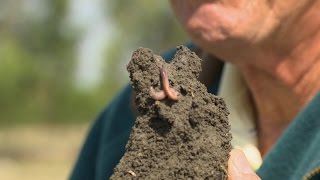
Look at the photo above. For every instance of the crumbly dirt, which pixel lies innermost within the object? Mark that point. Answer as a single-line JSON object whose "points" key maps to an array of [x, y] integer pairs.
{"points": [[184, 139]]}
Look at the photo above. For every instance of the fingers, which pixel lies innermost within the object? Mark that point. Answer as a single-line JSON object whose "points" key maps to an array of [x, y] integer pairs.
{"points": [[239, 167]]}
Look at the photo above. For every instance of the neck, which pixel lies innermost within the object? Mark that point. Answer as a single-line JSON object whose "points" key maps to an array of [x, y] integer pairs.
{"points": [[280, 62], [282, 86], [277, 102]]}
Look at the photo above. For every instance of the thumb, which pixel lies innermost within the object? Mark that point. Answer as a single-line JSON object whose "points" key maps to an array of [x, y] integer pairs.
{"points": [[239, 167]]}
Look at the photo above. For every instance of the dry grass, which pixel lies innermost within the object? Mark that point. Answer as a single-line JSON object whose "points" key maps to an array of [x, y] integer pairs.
{"points": [[39, 152]]}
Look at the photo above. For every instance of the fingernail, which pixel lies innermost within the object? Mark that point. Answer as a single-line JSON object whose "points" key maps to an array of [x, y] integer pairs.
{"points": [[241, 164]]}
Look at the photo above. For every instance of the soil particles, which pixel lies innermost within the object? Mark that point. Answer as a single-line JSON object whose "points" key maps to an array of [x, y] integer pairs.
{"points": [[188, 138]]}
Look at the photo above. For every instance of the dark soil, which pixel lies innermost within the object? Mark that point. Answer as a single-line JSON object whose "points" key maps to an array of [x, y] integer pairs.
{"points": [[184, 139]]}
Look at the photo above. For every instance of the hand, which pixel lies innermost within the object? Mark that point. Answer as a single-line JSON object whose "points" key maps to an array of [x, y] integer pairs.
{"points": [[239, 168]]}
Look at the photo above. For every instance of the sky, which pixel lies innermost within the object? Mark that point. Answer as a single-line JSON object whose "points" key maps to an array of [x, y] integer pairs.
{"points": [[91, 17]]}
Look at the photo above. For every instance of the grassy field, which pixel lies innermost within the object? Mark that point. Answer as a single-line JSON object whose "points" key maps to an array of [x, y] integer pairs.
{"points": [[39, 152]]}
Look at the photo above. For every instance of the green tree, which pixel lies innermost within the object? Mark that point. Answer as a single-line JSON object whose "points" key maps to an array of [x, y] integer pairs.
{"points": [[37, 59], [36, 63]]}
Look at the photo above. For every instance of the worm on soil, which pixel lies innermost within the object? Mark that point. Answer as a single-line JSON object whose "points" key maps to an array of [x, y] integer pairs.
{"points": [[157, 95], [169, 92]]}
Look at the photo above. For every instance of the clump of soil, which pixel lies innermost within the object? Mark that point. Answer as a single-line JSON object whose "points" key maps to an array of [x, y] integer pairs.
{"points": [[184, 139]]}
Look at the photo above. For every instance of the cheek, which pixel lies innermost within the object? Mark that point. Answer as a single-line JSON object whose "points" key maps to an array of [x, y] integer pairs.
{"points": [[216, 22], [209, 22], [206, 21]]}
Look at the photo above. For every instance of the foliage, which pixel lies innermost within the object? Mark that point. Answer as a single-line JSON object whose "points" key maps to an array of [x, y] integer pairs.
{"points": [[37, 59]]}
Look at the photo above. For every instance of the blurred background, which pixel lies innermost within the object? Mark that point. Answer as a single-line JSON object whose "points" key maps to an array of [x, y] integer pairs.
{"points": [[61, 62]]}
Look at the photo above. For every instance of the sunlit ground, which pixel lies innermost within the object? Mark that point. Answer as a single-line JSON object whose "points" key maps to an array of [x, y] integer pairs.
{"points": [[39, 152]]}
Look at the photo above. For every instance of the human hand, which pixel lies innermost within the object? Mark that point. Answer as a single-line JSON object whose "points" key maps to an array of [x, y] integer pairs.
{"points": [[239, 168]]}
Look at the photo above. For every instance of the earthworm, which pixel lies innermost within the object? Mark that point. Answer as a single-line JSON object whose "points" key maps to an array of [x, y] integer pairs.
{"points": [[157, 95], [168, 91]]}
